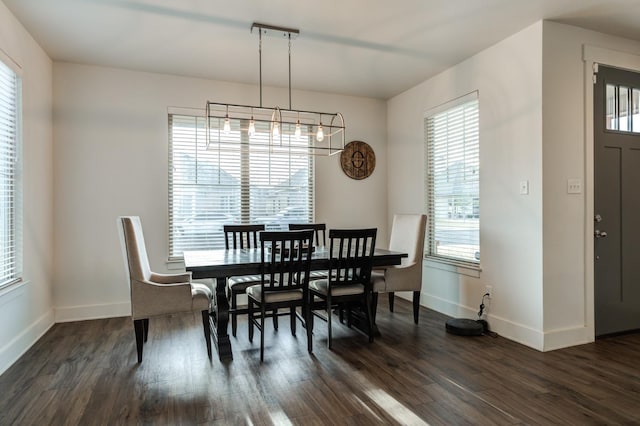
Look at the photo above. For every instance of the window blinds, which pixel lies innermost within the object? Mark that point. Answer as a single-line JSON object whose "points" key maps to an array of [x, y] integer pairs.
{"points": [[232, 183], [453, 181], [10, 197]]}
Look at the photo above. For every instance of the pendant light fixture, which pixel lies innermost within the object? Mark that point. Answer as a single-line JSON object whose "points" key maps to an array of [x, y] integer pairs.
{"points": [[301, 132]]}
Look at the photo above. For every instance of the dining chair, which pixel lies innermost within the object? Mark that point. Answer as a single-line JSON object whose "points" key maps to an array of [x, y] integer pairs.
{"points": [[319, 231], [284, 280], [349, 278], [240, 237], [154, 294], [407, 235], [319, 240]]}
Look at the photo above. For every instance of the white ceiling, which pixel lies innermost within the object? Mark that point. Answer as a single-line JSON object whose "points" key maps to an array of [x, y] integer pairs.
{"points": [[355, 47]]}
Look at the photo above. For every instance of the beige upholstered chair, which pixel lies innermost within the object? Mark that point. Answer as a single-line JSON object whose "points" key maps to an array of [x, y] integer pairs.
{"points": [[155, 294], [407, 235]]}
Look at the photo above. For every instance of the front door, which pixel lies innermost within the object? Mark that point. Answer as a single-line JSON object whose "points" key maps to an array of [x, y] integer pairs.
{"points": [[616, 201]]}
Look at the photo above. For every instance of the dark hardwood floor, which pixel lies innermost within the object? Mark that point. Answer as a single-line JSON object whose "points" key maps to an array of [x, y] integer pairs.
{"points": [[86, 373]]}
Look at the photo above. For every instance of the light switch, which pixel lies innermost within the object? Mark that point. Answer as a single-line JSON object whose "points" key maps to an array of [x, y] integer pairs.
{"points": [[524, 187], [574, 186]]}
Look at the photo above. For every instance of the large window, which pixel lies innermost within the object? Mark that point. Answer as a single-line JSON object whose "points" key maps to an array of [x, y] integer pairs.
{"points": [[452, 181], [10, 187], [238, 182]]}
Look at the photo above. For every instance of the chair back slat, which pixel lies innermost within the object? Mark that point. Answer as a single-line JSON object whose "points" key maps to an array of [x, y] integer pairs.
{"points": [[319, 231], [351, 256], [285, 260], [241, 236]]}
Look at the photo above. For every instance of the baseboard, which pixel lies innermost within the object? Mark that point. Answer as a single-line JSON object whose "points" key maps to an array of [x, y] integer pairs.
{"points": [[89, 312], [13, 350], [505, 328], [563, 338]]}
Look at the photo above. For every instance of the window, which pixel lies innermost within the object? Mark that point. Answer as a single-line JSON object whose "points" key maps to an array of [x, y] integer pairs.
{"points": [[209, 188], [452, 181], [623, 108], [10, 185]]}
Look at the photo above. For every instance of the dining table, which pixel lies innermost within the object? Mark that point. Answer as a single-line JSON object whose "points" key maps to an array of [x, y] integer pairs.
{"points": [[220, 264]]}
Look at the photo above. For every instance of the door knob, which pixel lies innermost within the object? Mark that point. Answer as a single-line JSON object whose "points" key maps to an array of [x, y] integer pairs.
{"points": [[597, 218], [599, 234]]}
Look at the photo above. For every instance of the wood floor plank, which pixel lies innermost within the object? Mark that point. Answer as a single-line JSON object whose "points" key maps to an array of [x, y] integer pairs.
{"points": [[86, 373]]}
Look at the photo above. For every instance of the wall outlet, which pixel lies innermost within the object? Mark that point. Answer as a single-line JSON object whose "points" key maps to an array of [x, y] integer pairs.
{"points": [[489, 290], [524, 187]]}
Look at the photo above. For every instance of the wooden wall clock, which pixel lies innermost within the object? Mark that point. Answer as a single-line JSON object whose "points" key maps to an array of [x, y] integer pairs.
{"points": [[358, 160]]}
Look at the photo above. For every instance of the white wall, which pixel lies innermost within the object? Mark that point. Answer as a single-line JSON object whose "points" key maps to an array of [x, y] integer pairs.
{"points": [[111, 156], [25, 310], [508, 77], [534, 125], [568, 291]]}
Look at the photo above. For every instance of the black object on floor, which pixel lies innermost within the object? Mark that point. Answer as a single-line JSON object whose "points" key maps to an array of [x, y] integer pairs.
{"points": [[466, 327]]}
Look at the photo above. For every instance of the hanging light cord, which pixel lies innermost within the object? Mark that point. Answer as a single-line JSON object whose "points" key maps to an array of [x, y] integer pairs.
{"points": [[260, 60], [289, 71]]}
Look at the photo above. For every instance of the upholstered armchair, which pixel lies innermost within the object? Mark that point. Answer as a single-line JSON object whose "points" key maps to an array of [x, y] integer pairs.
{"points": [[154, 294], [407, 235]]}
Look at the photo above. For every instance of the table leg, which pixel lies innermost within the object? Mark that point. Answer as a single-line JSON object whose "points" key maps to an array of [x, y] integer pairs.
{"points": [[220, 320]]}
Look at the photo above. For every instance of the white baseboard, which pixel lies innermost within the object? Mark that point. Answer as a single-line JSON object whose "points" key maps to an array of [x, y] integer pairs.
{"points": [[563, 338], [89, 312], [13, 350]]}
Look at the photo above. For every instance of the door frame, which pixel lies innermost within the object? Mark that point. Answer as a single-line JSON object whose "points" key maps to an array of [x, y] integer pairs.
{"points": [[592, 55]]}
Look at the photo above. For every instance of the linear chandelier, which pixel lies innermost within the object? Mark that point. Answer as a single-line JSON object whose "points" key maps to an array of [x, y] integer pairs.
{"points": [[233, 127]]}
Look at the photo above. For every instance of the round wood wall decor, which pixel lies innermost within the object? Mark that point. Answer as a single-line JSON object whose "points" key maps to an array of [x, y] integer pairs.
{"points": [[358, 160]]}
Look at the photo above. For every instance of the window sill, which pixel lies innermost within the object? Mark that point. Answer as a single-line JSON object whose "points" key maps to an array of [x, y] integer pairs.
{"points": [[9, 291], [453, 266], [175, 265]]}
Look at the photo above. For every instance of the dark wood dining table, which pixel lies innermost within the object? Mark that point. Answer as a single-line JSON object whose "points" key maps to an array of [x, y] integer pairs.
{"points": [[220, 264]]}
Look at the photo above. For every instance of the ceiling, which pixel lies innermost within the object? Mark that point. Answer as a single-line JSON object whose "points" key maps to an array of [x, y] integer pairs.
{"points": [[354, 47]]}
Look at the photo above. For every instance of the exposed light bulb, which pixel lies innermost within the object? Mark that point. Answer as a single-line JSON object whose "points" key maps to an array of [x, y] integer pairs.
{"points": [[227, 125], [252, 127], [320, 134], [276, 129], [298, 132]]}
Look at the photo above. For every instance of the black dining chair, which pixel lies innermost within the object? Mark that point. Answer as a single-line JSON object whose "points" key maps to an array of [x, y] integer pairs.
{"points": [[284, 280], [319, 239], [348, 283], [319, 231], [240, 237]]}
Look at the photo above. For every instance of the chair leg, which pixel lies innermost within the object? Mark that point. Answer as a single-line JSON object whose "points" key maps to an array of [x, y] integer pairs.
{"points": [[292, 316], [250, 320], [416, 305], [146, 329], [374, 306], [275, 319], [263, 314], [391, 297], [138, 326], [369, 315], [207, 330], [329, 322], [234, 316], [308, 321]]}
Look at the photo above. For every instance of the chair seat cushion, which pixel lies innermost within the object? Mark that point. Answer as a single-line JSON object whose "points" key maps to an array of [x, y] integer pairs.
{"points": [[240, 283], [255, 291], [200, 297], [378, 281], [320, 286]]}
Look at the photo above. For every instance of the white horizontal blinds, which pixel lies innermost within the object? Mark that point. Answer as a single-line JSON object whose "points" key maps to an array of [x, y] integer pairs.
{"points": [[10, 216], [232, 183], [453, 181], [280, 182]]}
